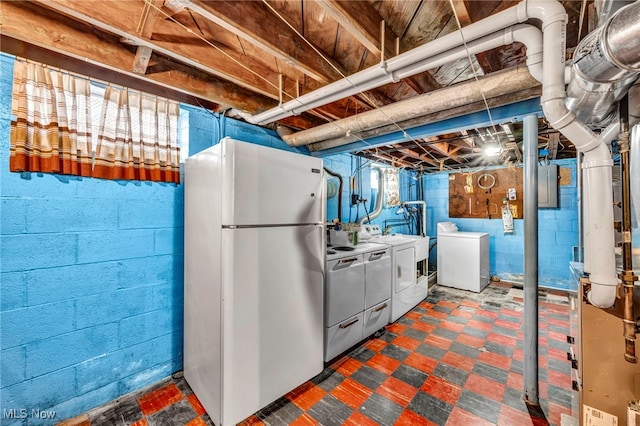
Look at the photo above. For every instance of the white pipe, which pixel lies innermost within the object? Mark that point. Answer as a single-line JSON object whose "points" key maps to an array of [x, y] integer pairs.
{"points": [[394, 69], [425, 104], [424, 214], [598, 196]]}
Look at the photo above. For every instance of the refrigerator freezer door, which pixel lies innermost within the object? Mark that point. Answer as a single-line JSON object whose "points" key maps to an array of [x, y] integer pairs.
{"points": [[272, 314], [265, 186]]}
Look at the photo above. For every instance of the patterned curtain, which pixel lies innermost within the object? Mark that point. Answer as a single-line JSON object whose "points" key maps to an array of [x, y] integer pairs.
{"points": [[52, 131], [138, 137]]}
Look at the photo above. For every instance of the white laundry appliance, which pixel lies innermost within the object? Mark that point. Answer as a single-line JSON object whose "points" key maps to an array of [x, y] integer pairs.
{"points": [[357, 294], [254, 275], [407, 289], [463, 258]]}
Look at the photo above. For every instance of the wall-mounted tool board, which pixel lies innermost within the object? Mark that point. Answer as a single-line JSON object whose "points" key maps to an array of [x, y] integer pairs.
{"points": [[479, 194]]}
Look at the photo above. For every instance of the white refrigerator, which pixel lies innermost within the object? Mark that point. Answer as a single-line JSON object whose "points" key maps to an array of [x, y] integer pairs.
{"points": [[254, 271]]}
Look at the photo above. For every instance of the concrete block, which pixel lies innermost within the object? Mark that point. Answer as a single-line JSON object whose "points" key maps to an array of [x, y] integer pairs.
{"points": [[146, 377], [40, 392], [33, 251], [86, 401], [69, 282], [168, 295], [35, 323], [12, 217], [13, 366], [145, 213], [566, 238], [168, 347], [13, 291], [169, 241], [150, 270], [62, 351], [147, 326], [111, 307], [70, 215], [112, 367], [104, 246]]}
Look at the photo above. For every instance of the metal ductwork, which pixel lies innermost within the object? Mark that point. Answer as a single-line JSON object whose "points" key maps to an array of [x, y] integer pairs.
{"points": [[605, 65]]}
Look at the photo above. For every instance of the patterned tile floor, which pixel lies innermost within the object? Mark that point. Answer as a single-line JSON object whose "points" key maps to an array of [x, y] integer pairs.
{"points": [[455, 359]]}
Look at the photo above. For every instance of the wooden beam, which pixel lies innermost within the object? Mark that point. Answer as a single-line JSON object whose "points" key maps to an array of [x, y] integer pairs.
{"points": [[488, 60], [445, 149], [149, 18], [28, 23], [141, 61], [395, 162], [231, 66], [247, 20], [411, 153], [360, 20]]}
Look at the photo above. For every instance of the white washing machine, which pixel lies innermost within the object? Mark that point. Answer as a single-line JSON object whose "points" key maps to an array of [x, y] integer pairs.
{"points": [[357, 294], [463, 258], [407, 290]]}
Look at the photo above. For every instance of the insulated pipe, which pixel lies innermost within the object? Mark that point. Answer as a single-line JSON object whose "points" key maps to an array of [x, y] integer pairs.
{"points": [[598, 198], [424, 104], [530, 348]]}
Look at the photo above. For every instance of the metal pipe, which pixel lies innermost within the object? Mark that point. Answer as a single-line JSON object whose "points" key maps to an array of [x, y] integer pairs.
{"points": [[337, 176], [424, 214], [530, 348], [605, 66], [626, 275]]}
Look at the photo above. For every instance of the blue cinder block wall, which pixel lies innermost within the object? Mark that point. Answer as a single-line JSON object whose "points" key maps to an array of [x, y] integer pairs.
{"points": [[91, 277], [557, 232]]}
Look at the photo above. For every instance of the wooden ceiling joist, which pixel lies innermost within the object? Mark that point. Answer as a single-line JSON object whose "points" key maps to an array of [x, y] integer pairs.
{"points": [[361, 21]]}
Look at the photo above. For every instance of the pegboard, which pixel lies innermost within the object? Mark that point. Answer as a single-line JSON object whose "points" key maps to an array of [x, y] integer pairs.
{"points": [[479, 194]]}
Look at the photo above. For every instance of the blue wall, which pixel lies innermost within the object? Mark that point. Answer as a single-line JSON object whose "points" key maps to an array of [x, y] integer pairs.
{"points": [[91, 277], [557, 232]]}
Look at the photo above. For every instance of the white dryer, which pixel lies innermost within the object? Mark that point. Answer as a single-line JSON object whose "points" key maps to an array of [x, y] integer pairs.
{"points": [[406, 250], [463, 258]]}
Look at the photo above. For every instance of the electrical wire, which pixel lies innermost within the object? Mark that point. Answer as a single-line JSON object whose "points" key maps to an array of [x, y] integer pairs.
{"points": [[475, 73]]}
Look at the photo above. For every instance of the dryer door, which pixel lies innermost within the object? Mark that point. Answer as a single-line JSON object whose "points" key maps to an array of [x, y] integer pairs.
{"points": [[405, 268]]}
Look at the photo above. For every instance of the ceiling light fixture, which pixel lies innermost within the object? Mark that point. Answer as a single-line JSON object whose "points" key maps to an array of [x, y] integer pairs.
{"points": [[492, 150]]}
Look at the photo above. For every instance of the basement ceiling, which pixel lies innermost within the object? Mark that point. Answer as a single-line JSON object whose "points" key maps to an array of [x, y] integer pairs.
{"points": [[248, 56]]}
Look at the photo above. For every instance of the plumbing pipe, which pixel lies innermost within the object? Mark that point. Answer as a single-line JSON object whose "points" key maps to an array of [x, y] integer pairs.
{"points": [[626, 275], [449, 97], [376, 212], [393, 69], [424, 214], [530, 348], [598, 199], [337, 176]]}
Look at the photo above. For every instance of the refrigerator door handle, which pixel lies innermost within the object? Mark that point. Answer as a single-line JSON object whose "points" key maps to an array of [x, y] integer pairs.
{"points": [[399, 271], [349, 324]]}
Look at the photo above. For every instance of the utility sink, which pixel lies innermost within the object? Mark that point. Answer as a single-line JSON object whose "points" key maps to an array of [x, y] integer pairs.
{"points": [[343, 248]]}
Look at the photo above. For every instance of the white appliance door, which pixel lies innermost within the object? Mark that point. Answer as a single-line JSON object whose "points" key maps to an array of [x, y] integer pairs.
{"points": [[272, 290], [268, 186], [405, 266]]}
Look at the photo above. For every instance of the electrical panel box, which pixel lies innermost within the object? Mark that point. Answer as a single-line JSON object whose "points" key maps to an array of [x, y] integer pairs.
{"points": [[548, 186]]}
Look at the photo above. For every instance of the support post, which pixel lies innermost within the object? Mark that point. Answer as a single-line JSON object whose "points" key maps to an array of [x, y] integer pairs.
{"points": [[531, 260]]}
